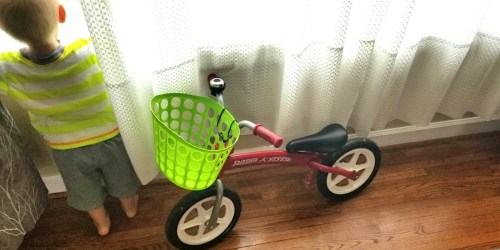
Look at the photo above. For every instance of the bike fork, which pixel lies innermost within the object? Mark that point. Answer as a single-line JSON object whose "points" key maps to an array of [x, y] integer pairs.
{"points": [[218, 201], [308, 179]]}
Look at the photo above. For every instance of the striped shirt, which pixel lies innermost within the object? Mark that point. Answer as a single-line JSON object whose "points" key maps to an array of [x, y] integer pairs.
{"points": [[66, 100]]}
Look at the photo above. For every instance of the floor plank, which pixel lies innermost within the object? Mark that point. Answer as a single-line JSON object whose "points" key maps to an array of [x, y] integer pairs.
{"points": [[442, 194]]}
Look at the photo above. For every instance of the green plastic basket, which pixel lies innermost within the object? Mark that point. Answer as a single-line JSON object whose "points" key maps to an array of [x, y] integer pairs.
{"points": [[193, 137]]}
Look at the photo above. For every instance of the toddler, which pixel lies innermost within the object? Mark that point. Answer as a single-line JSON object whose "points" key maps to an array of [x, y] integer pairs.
{"points": [[62, 89]]}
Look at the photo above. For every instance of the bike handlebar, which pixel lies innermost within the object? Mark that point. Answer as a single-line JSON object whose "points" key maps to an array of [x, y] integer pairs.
{"points": [[268, 135], [217, 86]]}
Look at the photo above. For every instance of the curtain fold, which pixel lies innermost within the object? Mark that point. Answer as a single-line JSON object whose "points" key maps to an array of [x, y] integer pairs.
{"points": [[130, 101], [475, 75], [297, 66]]}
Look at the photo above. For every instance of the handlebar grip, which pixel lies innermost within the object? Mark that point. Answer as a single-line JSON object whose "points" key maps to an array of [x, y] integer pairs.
{"points": [[268, 135]]}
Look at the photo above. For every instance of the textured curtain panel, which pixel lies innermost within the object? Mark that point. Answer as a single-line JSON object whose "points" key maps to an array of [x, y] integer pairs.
{"points": [[129, 98], [296, 66]]}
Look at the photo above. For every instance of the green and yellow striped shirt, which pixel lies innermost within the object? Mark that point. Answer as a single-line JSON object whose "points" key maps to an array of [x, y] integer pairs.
{"points": [[66, 99]]}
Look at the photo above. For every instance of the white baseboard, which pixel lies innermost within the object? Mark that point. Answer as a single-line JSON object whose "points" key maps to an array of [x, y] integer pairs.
{"points": [[54, 183], [386, 137], [435, 130]]}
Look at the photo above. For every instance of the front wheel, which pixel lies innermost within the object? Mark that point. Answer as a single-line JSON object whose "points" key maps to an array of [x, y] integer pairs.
{"points": [[187, 224], [361, 155]]}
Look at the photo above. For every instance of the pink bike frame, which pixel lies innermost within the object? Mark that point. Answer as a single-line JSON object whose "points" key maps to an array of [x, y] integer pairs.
{"points": [[267, 157]]}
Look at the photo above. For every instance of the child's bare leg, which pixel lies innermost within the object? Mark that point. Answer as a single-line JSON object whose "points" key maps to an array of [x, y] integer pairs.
{"points": [[101, 220], [129, 205]]}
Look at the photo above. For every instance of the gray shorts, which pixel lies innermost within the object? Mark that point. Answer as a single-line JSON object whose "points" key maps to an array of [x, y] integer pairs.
{"points": [[91, 172]]}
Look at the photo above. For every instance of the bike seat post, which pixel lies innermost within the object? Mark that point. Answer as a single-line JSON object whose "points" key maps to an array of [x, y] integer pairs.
{"points": [[308, 179]]}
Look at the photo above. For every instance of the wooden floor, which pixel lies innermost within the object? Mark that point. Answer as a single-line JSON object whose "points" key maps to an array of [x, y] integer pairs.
{"points": [[441, 194]]}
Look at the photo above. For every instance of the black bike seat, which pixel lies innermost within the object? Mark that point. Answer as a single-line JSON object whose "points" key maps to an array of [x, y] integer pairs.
{"points": [[329, 139]]}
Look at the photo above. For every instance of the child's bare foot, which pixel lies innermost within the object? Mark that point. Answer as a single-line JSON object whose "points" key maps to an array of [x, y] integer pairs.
{"points": [[103, 227], [101, 220], [129, 205]]}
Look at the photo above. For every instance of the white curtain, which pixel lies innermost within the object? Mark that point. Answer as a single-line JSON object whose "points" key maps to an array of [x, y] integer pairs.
{"points": [[296, 66]]}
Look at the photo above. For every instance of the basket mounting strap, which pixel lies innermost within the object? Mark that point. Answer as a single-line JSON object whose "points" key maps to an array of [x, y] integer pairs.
{"points": [[228, 136]]}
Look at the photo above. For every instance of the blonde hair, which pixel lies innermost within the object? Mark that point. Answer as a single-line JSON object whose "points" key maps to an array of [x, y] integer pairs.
{"points": [[30, 21]]}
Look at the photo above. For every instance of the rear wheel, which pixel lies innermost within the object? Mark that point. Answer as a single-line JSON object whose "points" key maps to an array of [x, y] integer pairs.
{"points": [[187, 224], [361, 155]]}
